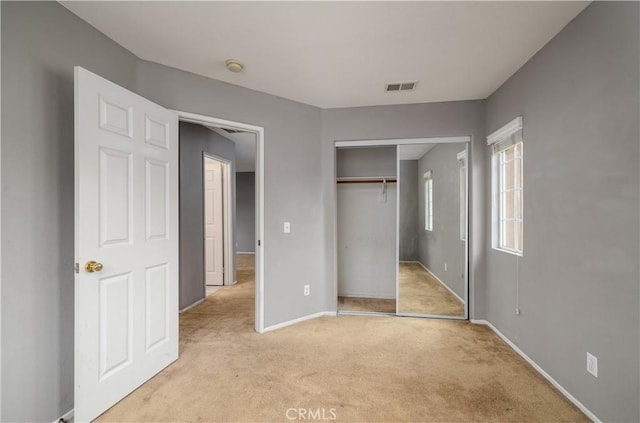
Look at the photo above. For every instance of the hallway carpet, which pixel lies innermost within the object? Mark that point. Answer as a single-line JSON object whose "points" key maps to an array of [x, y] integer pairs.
{"points": [[356, 368]]}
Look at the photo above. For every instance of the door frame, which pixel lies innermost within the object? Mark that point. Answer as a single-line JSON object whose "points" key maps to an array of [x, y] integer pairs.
{"points": [[227, 227], [467, 139], [259, 247]]}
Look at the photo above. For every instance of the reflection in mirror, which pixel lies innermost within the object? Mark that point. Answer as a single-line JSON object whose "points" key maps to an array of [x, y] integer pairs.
{"points": [[432, 231]]}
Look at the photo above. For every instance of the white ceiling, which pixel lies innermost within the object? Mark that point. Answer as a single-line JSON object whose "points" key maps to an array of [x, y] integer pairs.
{"points": [[339, 54], [245, 148]]}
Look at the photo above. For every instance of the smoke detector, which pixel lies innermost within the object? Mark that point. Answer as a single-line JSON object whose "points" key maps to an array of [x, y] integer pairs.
{"points": [[400, 86], [234, 65]]}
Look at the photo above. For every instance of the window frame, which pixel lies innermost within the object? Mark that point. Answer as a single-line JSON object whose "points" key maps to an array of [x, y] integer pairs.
{"points": [[501, 141], [428, 200]]}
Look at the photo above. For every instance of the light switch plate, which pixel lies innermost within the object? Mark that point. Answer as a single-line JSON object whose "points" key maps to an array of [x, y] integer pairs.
{"points": [[287, 227], [592, 364]]}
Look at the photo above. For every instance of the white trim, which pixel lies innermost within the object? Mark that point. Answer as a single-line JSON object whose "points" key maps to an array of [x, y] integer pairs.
{"points": [[462, 156], [260, 251], [298, 320], [432, 316], [507, 130], [67, 417], [246, 252], [365, 296], [443, 284], [405, 141], [364, 313], [192, 305], [398, 187], [540, 370]]}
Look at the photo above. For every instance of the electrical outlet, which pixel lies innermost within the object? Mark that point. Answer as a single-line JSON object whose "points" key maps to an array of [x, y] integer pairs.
{"points": [[287, 227], [307, 290], [517, 312], [592, 364], [445, 267]]}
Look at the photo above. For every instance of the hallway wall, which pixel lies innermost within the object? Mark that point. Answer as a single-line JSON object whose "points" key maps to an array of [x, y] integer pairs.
{"points": [[246, 211], [194, 141]]}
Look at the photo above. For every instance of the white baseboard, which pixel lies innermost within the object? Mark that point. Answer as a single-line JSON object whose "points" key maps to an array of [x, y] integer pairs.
{"points": [[540, 370], [245, 252], [298, 320], [442, 283], [192, 305], [374, 297], [67, 417]]}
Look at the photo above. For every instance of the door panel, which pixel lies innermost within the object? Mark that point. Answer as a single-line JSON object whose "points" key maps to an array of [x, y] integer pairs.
{"points": [[126, 206], [214, 250]]}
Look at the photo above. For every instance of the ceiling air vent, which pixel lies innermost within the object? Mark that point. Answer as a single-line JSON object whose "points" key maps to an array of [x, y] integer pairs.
{"points": [[400, 86]]}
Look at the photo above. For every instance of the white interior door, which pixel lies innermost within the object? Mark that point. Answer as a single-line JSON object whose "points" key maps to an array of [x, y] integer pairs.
{"points": [[213, 232], [126, 220]]}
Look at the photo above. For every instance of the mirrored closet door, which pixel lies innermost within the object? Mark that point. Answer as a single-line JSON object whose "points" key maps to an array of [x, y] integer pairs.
{"points": [[432, 230], [402, 222]]}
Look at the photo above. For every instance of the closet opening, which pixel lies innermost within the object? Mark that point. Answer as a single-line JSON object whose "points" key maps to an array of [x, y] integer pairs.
{"points": [[402, 227]]}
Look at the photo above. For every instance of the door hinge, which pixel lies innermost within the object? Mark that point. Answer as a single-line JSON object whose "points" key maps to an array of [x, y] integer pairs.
{"points": [[258, 243], [76, 267]]}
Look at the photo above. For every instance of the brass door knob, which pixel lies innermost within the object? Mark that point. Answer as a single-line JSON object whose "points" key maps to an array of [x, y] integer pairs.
{"points": [[93, 266]]}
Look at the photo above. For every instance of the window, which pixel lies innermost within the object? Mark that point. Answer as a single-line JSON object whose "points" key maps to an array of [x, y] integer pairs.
{"points": [[507, 154], [462, 161], [428, 201]]}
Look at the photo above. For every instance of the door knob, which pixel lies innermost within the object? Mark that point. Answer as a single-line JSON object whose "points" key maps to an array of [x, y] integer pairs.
{"points": [[93, 266]]}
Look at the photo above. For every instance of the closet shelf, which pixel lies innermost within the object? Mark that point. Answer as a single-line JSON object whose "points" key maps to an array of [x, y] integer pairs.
{"points": [[365, 179]]}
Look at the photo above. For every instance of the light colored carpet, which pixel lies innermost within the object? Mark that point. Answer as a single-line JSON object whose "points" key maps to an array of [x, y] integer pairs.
{"points": [[421, 293], [211, 289], [377, 305], [367, 368]]}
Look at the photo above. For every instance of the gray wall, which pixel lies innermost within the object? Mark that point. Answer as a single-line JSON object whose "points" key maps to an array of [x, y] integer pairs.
{"points": [[411, 121], [578, 97], [41, 42], [366, 224], [195, 140], [246, 211], [443, 244], [579, 272], [408, 221], [293, 190], [379, 161]]}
